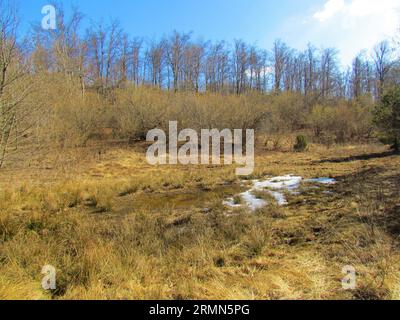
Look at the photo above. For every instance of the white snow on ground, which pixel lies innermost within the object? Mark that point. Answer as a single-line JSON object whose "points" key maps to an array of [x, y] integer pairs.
{"points": [[279, 197], [322, 180], [249, 199], [252, 201], [287, 183], [230, 202], [284, 182]]}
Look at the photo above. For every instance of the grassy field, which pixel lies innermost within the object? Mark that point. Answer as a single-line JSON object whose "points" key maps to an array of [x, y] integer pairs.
{"points": [[116, 228]]}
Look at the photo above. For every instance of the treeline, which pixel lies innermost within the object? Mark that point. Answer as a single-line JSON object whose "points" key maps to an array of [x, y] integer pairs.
{"points": [[104, 57], [67, 87]]}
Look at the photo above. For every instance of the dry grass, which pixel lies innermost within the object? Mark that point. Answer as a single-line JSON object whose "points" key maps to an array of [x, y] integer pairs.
{"points": [[103, 226]]}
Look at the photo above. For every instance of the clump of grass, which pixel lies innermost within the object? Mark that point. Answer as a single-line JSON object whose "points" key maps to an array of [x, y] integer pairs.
{"points": [[237, 199], [301, 143]]}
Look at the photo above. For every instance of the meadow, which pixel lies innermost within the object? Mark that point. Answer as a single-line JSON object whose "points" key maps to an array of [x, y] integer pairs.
{"points": [[115, 227]]}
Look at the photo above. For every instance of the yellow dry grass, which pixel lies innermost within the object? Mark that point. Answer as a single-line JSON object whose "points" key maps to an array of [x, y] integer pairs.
{"points": [[100, 224]]}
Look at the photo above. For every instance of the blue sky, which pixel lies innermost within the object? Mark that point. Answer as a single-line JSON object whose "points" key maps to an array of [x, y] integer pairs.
{"points": [[349, 25]]}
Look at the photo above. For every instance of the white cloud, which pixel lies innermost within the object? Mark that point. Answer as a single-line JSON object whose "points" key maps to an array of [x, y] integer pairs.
{"points": [[360, 8], [355, 8], [353, 25], [331, 8]]}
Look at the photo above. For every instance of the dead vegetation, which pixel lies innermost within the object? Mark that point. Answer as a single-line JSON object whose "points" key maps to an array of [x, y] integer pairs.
{"points": [[104, 246]]}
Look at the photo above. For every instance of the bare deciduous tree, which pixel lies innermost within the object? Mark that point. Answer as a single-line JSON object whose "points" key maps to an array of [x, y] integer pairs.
{"points": [[155, 59], [175, 51], [103, 44], [13, 124], [240, 66], [280, 51], [383, 65]]}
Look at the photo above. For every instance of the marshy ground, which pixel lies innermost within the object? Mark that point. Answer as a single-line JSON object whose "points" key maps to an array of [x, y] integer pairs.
{"points": [[115, 227]]}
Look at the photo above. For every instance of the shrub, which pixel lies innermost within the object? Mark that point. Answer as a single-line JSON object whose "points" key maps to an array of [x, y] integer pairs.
{"points": [[287, 113], [396, 145], [387, 118], [301, 143], [341, 122]]}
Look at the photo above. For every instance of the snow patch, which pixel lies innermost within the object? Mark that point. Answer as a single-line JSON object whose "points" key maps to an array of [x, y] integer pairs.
{"points": [[285, 182], [230, 202], [322, 180], [276, 187], [252, 201], [279, 197]]}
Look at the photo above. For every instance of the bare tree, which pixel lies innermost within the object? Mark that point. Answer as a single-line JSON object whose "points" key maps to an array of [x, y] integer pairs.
{"points": [[357, 76], [240, 66], [176, 48], [310, 70], [289, 70], [193, 59], [155, 59], [135, 50], [216, 67], [257, 68], [103, 46], [13, 115], [280, 51], [328, 72], [67, 49], [123, 61], [383, 65]]}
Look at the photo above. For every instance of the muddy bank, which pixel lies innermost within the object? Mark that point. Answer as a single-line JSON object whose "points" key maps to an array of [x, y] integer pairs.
{"points": [[175, 200]]}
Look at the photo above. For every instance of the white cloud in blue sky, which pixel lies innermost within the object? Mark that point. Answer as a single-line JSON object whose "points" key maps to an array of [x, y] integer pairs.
{"points": [[348, 25], [331, 8]]}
